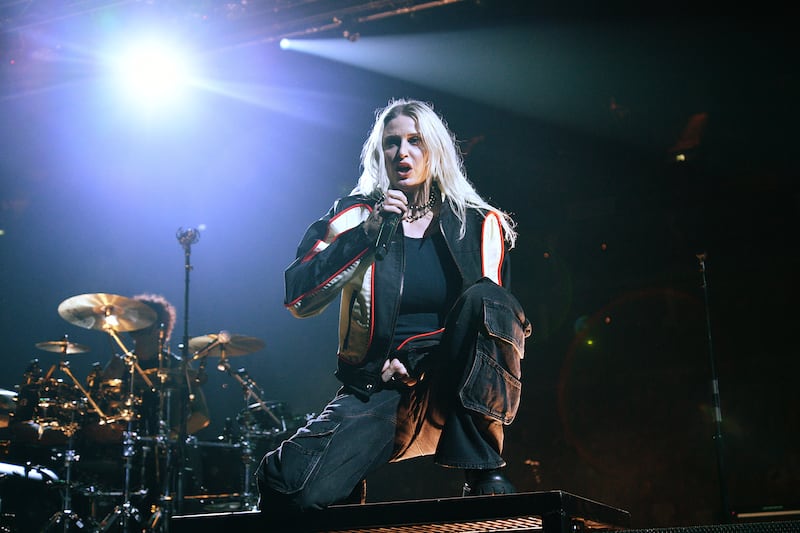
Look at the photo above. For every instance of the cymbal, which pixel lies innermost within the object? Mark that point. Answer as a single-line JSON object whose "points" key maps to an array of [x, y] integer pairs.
{"points": [[62, 347], [237, 345], [106, 311]]}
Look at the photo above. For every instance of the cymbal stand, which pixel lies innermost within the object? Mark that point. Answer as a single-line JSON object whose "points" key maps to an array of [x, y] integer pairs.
{"points": [[67, 515], [251, 392], [160, 513], [126, 510], [130, 360]]}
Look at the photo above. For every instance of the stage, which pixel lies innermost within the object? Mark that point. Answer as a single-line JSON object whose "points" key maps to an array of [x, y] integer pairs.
{"points": [[549, 511]]}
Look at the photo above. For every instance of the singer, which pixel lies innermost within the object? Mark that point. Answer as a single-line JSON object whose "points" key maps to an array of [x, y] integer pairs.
{"points": [[430, 338]]}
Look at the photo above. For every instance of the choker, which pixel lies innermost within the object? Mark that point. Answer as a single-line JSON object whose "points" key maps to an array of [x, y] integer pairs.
{"points": [[416, 212]]}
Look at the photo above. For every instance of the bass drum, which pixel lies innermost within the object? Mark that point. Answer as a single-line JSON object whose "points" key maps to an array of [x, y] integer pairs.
{"points": [[30, 496], [8, 406]]}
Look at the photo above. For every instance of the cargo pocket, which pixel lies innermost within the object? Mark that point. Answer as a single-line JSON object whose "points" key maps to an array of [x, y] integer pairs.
{"points": [[503, 323], [492, 385], [300, 455]]}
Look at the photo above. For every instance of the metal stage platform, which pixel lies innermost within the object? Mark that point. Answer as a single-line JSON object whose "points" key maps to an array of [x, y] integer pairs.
{"points": [[547, 512]]}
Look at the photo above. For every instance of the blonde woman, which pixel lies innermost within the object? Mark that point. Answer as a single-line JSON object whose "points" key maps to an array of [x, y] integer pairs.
{"points": [[430, 338]]}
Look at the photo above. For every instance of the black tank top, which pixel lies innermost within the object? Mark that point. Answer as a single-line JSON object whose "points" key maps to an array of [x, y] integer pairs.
{"points": [[429, 287]]}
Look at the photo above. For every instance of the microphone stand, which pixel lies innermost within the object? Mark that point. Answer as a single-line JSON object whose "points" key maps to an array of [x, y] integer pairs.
{"points": [[186, 238], [716, 400]]}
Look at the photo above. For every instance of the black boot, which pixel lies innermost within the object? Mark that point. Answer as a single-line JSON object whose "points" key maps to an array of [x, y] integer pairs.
{"points": [[486, 482]]}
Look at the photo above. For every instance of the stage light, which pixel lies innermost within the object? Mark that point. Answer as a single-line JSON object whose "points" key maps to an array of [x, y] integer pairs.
{"points": [[285, 44], [152, 72]]}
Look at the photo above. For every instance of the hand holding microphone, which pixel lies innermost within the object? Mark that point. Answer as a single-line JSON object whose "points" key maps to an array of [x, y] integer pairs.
{"points": [[385, 234], [389, 213]]}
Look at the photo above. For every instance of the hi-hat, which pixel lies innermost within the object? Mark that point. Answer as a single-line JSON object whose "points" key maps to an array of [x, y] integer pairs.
{"points": [[106, 312], [215, 345], [64, 347]]}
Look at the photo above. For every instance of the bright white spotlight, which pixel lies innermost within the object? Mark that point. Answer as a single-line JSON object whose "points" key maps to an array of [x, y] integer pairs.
{"points": [[152, 72], [285, 44]]}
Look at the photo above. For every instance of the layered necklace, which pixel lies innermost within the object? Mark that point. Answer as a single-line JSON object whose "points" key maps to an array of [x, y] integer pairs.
{"points": [[416, 212]]}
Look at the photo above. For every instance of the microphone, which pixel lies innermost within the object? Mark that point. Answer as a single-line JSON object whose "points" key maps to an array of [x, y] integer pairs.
{"points": [[385, 234], [187, 237]]}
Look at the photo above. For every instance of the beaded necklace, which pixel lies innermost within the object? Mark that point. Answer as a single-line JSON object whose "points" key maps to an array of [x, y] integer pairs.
{"points": [[416, 212]]}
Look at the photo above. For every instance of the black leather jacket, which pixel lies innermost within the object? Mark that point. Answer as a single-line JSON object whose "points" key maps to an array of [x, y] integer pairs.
{"points": [[335, 258]]}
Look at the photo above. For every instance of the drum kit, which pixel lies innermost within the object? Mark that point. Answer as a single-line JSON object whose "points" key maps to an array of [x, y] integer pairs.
{"points": [[87, 441]]}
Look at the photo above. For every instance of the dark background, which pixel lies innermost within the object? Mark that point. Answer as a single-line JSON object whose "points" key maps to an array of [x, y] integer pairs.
{"points": [[571, 119]]}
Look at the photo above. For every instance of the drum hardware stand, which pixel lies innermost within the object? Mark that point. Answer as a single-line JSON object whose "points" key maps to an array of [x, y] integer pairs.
{"points": [[126, 509], [64, 367], [723, 489], [163, 509], [251, 392], [66, 515], [130, 360]]}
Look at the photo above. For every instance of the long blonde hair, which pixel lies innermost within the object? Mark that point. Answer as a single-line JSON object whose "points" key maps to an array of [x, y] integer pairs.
{"points": [[444, 159]]}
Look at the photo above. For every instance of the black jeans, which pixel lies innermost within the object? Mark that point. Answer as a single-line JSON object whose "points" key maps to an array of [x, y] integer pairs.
{"points": [[469, 389]]}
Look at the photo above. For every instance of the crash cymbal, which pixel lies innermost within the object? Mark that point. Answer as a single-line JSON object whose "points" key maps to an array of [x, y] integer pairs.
{"points": [[233, 345], [106, 311], [62, 347]]}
